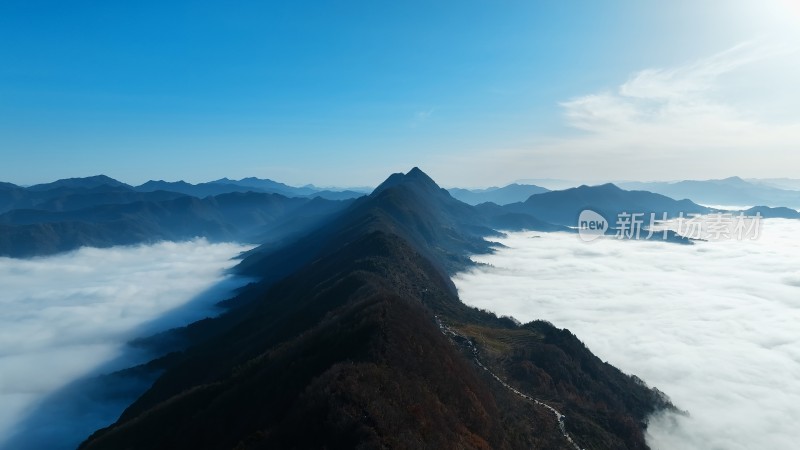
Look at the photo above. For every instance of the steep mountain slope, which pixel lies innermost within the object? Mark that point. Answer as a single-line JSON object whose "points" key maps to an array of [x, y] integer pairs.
{"points": [[411, 205], [415, 208], [344, 351], [502, 196]]}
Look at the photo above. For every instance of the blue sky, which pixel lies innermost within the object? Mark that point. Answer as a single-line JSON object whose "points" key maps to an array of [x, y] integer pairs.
{"points": [[343, 93]]}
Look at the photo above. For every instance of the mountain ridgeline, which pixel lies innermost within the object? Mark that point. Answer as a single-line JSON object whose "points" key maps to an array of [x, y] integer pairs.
{"points": [[339, 346], [727, 191], [499, 195], [78, 193], [563, 207], [101, 212]]}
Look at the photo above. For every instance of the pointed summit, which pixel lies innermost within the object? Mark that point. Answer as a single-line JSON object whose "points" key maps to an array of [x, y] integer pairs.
{"points": [[735, 181], [413, 206], [417, 172], [415, 178]]}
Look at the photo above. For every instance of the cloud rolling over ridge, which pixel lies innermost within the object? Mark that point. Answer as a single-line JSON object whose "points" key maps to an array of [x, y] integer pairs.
{"points": [[67, 315], [712, 325]]}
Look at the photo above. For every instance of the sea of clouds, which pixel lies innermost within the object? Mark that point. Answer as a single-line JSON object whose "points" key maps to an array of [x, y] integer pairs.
{"points": [[713, 325], [69, 316]]}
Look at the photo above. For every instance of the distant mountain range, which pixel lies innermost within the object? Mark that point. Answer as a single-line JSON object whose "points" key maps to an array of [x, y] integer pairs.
{"points": [[564, 207], [772, 213], [100, 211], [244, 217], [93, 182], [508, 194], [76, 193], [789, 184], [729, 191], [225, 186], [340, 345]]}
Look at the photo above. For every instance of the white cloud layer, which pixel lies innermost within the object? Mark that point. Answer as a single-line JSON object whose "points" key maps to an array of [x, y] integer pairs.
{"points": [[713, 325], [66, 315]]}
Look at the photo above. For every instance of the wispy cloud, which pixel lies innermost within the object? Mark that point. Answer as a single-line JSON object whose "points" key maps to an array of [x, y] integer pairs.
{"points": [[421, 117], [712, 117], [673, 100]]}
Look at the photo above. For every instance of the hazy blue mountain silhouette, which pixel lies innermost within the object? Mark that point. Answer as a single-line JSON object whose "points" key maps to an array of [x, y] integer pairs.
{"points": [[564, 207], [772, 213], [251, 184], [235, 216], [728, 191], [98, 211], [200, 190], [84, 183], [789, 184], [74, 193], [267, 185], [502, 196]]}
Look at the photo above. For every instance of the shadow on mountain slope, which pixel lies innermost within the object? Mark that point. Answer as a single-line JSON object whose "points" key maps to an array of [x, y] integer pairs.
{"points": [[63, 418], [337, 347]]}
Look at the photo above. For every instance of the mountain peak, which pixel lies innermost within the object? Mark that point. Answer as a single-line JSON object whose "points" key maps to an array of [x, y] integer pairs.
{"points": [[735, 180], [416, 171], [414, 177], [418, 175]]}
